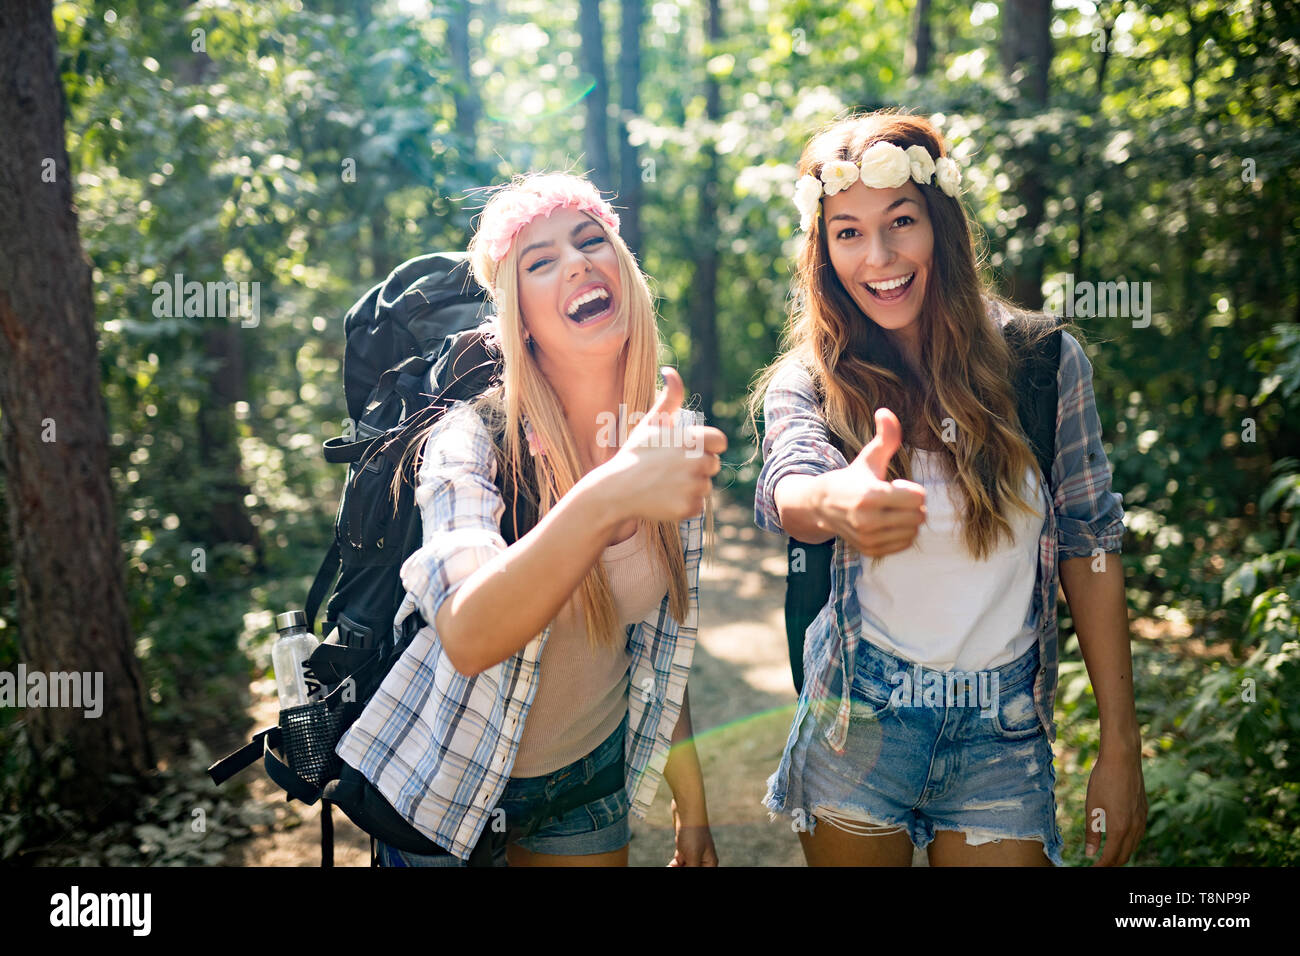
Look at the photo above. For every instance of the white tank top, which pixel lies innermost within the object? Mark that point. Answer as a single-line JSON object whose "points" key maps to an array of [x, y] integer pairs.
{"points": [[937, 606]]}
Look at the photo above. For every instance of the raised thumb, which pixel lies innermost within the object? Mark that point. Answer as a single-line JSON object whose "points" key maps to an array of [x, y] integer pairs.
{"points": [[670, 397], [881, 448]]}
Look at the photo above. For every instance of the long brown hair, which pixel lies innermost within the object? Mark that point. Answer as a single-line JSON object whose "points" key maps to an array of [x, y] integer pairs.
{"points": [[968, 367]]}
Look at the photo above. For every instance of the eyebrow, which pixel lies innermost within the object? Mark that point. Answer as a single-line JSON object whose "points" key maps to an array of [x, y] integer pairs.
{"points": [[890, 208], [572, 235]]}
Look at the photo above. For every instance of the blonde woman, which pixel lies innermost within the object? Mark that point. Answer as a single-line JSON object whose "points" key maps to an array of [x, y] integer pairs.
{"points": [[926, 716], [546, 662]]}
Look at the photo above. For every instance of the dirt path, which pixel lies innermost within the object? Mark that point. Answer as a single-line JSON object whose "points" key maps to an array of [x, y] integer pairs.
{"points": [[742, 702]]}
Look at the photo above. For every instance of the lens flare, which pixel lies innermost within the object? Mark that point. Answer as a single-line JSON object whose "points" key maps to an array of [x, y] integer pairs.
{"points": [[538, 103]]}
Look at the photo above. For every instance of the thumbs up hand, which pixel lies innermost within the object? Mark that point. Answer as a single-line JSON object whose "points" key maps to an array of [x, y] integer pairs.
{"points": [[668, 402], [663, 471], [874, 516]]}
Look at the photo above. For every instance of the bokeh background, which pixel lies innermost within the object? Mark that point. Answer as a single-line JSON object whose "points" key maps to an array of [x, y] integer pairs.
{"points": [[313, 146]]}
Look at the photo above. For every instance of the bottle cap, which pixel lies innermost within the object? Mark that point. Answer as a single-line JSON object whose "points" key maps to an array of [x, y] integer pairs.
{"points": [[290, 619]]}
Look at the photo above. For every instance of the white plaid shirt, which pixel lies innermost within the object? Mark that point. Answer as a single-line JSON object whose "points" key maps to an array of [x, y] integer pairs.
{"points": [[439, 745], [1085, 516]]}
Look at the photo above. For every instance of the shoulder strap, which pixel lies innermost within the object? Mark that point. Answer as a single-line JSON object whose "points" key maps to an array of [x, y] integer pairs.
{"points": [[1038, 359], [323, 583], [521, 506]]}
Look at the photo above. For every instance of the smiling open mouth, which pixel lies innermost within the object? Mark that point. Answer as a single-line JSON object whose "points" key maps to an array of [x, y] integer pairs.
{"points": [[591, 305], [893, 289]]}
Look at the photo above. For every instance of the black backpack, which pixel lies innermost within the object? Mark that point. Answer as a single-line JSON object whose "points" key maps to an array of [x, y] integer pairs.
{"points": [[415, 347], [808, 590]]}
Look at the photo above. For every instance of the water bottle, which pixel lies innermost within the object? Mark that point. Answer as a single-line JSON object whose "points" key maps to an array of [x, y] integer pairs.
{"points": [[290, 658]]}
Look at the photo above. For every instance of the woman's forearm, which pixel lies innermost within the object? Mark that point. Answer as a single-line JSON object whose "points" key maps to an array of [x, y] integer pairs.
{"points": [[1100, 612], [682, 771], [797, 499], [509, 600]]}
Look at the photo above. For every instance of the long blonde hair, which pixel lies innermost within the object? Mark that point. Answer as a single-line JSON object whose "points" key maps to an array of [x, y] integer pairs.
{"points": [[968, 365], [525, 393]]}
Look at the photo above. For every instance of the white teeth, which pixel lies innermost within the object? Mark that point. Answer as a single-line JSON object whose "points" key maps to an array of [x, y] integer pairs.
{"points": [[891, 284], [588, 297]]}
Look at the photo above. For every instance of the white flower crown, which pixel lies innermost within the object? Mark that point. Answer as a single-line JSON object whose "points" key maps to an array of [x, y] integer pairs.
{"points": [[883, 166]]}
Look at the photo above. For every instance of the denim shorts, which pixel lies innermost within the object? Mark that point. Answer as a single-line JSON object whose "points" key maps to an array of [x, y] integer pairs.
{"points": [[600, 826], [928, 753]]}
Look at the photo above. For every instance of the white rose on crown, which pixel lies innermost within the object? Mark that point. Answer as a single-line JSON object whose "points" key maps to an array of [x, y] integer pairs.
{"points": [[947, 176], [885, 166], [807, 197], [922, 165], [840, 174]]}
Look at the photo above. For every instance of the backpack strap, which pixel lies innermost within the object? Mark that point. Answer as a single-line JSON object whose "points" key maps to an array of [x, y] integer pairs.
{"points": [[1039, 358], [326, 575], [245, 756], [284, 776], [326, 834], [807, 588]]}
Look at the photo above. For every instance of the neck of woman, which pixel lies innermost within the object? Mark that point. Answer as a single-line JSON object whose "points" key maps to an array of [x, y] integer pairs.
{"points": [[591, 398], [909, 345]]}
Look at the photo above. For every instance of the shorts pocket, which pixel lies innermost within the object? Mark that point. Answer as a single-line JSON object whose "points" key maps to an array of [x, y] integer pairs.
{"points": [[1015, 717], [592, 816], [607, 811], [826, 771], [869, 695]]}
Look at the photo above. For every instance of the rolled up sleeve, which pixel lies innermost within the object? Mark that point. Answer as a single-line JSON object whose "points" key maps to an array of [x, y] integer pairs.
{"points": [[1090, 516], [795, 441], [460, 509]]}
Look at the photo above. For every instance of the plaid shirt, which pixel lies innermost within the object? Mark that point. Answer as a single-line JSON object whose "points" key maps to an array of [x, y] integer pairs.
{"points": [[439, 745], [1085, 515]]}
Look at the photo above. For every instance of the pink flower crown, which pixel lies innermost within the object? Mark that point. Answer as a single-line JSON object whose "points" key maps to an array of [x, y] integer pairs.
{"points": [[503, 218]]}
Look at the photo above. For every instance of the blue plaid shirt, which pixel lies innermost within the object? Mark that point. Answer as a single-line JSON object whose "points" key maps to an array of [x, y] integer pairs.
{"points": [[439, 745], [1085, 516]]}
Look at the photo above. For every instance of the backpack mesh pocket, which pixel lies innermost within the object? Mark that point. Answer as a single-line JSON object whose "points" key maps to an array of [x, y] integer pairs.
{"points": [[308, 735]]}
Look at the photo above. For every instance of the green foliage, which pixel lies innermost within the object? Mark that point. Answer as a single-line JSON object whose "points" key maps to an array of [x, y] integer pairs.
{"points": [[182, 819], [1226, 774], [1223, 771], [230, 165], [29, 786]]}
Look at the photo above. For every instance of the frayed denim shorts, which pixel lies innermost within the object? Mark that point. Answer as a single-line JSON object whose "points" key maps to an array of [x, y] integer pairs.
{"points": [[599, 826], [933, 750]]}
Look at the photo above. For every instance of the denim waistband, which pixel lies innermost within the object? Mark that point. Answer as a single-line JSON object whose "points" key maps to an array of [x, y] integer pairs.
{"points": [[575, 774], [881, 665]]}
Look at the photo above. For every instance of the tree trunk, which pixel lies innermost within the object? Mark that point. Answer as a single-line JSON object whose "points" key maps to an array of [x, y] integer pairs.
{"points": [[6, 555], [704, 298], [1080, 209], [629, 101], [466, 94], [1027, 42], [380, 263], [1026, 52], [72, 612], [920, 51], [593, 62], [1197, 337], [224, 518]]}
